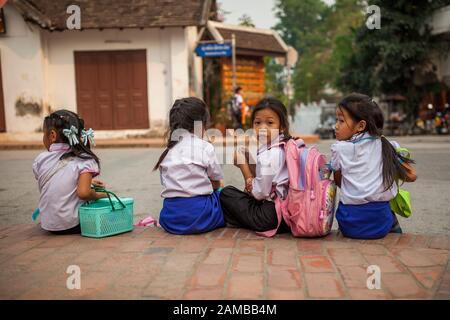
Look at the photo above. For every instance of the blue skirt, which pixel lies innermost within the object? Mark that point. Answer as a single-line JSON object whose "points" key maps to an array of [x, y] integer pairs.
{"points": [[371, 220], [191, 215]]}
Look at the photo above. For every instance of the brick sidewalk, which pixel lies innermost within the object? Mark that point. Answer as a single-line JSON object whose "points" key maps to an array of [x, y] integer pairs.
{"points": [[225, 264]]}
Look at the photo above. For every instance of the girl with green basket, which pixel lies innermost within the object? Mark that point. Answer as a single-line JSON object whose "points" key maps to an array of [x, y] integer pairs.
{"points": [[65, 172]]}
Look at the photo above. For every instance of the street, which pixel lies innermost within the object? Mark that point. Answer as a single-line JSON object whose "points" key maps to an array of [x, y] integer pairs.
{"points": [[127, 172]]}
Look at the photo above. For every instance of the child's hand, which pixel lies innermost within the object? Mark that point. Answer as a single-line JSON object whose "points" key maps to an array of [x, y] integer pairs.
{"points": [[98, 183], [249, 185], [100, 195], [216, 184]]}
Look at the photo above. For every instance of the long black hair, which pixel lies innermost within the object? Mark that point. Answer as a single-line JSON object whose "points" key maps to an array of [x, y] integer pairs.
{"points": [[65, 119], [362, 107], [279, 108], [183, 114]]}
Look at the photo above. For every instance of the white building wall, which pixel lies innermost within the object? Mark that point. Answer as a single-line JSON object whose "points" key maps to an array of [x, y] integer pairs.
{"points": [[306, 119], [440, 21], [441, 25], [179, 64], [165, 48], [22, 59], [40, 65], [195, 64]]}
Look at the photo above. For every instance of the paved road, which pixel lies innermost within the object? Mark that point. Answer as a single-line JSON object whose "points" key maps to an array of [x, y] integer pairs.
{"points": [[128, 172]]}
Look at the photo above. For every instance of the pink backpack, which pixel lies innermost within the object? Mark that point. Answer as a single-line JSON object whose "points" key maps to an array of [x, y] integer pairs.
{"points": [[309, 207]]}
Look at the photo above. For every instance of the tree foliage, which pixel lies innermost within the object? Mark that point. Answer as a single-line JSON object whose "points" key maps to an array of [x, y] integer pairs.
{"points": [[246, 21], [321, 34], [395, 59], [337, 50]]}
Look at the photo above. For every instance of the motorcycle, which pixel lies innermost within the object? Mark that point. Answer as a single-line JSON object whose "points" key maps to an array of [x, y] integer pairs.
{"points": [[440, 123]]}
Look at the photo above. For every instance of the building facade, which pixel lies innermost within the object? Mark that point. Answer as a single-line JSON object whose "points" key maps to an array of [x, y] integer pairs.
{"points": [[121, 71]]}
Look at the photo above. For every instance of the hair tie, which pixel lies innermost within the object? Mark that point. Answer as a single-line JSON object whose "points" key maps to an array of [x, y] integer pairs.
{"points": [[88, 136], [71, 135]]}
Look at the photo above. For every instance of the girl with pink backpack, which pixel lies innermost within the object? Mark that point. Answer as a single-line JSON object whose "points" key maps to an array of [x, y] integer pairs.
{"points": [[366, 167], [267, 180]]}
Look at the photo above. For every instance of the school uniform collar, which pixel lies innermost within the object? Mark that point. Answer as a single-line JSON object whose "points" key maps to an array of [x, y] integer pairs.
{"points": [[274, 142], [188, 136], [359, 137], [59, 147]]}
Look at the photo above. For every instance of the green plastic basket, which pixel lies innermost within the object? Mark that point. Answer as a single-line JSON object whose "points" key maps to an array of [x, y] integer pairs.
{"points": [[106, 217]]}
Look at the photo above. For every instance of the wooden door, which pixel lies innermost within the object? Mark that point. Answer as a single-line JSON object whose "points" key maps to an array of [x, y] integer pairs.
{"points": [[112, 89]]}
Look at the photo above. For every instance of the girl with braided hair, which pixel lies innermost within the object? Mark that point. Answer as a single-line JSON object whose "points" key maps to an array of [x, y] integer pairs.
{"points": [[366, 166], [190, 173]]}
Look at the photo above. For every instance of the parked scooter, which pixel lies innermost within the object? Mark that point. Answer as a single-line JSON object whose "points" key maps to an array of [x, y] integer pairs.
{"points": [[326, 130], [441, 123]]}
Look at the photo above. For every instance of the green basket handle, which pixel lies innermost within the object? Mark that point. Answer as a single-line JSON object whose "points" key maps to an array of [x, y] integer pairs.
{"points": [[109, 193]]}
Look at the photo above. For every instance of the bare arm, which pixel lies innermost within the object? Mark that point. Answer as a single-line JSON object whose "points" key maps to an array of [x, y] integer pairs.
{"points": [[337, 178], [250, 161], [84, 190], [241, 161], [411, 174], [246, 171], [252, 168]]}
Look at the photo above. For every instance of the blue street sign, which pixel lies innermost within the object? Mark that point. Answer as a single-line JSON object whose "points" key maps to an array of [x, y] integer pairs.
{"points": [[214, 50]]}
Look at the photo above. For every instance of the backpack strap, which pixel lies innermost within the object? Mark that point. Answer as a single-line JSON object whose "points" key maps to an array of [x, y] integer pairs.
{"points": [[279, 144], [299, 142], [280, 204]]}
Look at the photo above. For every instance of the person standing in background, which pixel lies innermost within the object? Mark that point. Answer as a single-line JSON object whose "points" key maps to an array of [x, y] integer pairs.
{"points": [[239, 108]]}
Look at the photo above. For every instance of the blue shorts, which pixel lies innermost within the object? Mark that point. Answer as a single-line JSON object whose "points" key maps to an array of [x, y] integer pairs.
{"points": [[192, 215], [371, 220]]}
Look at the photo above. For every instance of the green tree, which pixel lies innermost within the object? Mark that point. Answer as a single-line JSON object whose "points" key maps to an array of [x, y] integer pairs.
{"points": [[300, 22], [246, 21], [321, 34], [275, 80], [390, 60]]}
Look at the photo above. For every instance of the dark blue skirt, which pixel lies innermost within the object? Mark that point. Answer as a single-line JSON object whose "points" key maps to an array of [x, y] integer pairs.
{"points": [[191, 215], [371, 220]]}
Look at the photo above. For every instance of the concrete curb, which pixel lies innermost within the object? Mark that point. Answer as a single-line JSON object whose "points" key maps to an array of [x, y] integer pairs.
{"points": [[116, 143]]}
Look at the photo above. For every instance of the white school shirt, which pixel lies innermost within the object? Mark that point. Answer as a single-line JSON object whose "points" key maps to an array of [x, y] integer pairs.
{"points": [[271, 172], [189, 167], [58, 201], [361, 164], [239, 99]]}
